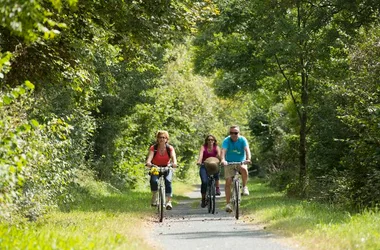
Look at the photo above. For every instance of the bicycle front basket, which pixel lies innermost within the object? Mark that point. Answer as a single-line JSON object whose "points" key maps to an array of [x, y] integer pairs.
{"points": [[212, 165]]}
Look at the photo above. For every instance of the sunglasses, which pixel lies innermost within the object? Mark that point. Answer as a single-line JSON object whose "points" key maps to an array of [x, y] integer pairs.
{"points": [[234, 133], [210, 139], [162, 137]]}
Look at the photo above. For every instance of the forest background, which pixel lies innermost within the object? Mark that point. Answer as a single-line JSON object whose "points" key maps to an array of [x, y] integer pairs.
{"points": [[85, 85]]}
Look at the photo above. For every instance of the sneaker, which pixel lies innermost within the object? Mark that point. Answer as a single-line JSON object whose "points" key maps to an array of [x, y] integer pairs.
{"points": [[169, 205], [245, 191], [203, 203], [218, 191], [228, 208], [153, 202]]}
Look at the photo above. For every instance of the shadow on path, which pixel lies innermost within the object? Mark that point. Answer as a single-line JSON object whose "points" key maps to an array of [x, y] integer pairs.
{"points": [[192, 227]]}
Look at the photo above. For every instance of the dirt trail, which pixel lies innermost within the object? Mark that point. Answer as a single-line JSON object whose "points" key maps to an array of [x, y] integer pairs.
{"points": [[188, 226]]}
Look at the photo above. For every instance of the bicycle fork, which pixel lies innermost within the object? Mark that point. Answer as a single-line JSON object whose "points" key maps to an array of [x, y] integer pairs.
{"points": [[161, 189], [233, 193]]}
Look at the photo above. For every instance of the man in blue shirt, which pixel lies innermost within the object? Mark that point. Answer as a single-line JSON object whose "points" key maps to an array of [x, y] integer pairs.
{"points": [[235, 148]]}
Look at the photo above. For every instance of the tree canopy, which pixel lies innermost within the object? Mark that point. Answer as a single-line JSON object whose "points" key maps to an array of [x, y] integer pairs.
{"points": [[85, 85]]}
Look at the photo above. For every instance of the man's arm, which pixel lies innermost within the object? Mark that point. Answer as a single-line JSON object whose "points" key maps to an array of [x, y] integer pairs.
{"points": [[223, 157], [247, 153]]}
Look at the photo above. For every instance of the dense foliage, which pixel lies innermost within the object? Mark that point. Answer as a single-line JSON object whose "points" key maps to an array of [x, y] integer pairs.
{"points": [[71, 75], [85, 85], [308, 64]]}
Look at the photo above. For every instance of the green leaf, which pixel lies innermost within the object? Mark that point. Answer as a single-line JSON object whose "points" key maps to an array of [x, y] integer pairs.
{"points": [[29, 85], [7, 100], [34, 123]]}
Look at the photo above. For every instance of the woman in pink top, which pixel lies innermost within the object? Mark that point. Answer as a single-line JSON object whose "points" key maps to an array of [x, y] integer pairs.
{"points": [[209, 149]]}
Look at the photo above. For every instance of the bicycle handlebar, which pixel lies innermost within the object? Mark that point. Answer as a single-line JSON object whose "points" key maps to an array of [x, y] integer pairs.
{"points": [[238, 162], [155, 170], [170, 165]]}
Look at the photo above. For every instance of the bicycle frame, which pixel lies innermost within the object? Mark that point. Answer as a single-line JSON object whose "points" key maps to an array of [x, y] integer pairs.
{"points": [[236, 194], [161, 190], [211, 194]]}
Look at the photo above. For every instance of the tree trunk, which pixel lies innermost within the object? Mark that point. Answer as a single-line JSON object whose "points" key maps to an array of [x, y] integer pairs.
{"points": [[303, 133]]}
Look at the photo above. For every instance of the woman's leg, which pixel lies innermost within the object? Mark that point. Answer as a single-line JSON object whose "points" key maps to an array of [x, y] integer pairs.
{"points": [[168, 190], [153, 183], [217, 185], [204, 180], [154, 187]]}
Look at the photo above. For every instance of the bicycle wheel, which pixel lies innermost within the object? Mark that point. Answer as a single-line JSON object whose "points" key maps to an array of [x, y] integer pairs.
{"points": [[208, 198], [236, 199], [212, 198], [161, 201]]}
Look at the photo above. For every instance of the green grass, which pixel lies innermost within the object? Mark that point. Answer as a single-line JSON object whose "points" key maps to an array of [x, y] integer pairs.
{"points": [[108, 221], [104, 219], [310, 224]]}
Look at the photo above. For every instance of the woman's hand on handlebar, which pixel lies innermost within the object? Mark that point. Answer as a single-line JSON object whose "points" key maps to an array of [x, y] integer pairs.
{"points": [[173, 165]]}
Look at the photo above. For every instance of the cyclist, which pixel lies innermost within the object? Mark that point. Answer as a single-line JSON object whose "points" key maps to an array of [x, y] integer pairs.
{"points": [[210, 148], [235, 148], [161, 154]]}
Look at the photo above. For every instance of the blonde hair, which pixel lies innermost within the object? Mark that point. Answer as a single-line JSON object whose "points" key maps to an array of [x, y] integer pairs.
{"points": [[164, 133]]}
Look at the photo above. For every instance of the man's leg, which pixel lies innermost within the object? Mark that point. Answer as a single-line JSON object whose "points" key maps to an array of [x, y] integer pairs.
{"points": [[228, 174], [227, 191], [244, 174], [244, 177]]}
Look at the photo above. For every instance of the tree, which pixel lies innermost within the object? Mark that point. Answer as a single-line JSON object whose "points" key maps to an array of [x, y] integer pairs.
{"points": [[360, 112], [82, 58], [302, 41]]}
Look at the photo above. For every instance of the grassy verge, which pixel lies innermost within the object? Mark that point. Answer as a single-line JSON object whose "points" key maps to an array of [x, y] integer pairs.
{"points": [[102, 221], [311, 225], [110, 220]]}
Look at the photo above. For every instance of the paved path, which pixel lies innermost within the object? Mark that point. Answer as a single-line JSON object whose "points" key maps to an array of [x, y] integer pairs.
{"points": [[188, 226]]}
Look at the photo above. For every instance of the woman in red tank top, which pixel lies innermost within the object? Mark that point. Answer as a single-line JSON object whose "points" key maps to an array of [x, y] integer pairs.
{"points": [[161, 155], [209, 149]]}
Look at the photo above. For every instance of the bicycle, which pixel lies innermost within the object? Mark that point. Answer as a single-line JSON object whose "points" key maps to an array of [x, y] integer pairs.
{"points": [[211, 194], [160, 171], [236, 194]]}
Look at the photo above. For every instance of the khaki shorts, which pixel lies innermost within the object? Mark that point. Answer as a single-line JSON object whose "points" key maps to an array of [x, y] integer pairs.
{"points": [[229, 171]]}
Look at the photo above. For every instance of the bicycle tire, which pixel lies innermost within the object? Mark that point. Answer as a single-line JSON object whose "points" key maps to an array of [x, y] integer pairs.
{"points": [[208, 198], [161, 203], [213, 197], [236, 200]]}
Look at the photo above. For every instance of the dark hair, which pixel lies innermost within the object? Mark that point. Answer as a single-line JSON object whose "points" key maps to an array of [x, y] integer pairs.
{"points": [[213, 137]]}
